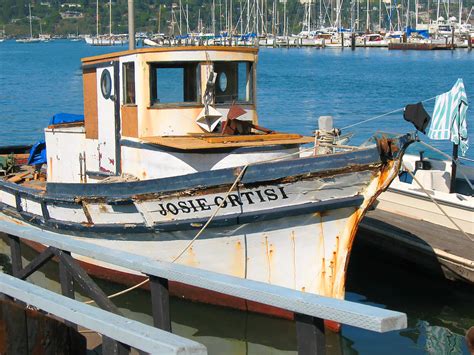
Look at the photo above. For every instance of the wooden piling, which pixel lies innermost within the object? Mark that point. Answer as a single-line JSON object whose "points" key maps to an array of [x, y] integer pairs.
{"points": [[27, 331], [452, 38], [353, 41], [310, 335], [160, 301], [469, 42]]}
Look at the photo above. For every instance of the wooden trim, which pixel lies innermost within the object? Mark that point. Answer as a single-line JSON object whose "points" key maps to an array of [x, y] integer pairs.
{"points": [[91, 120], [116, 55], [66, 125], [173, 105], [193, 142], [129, 121]]}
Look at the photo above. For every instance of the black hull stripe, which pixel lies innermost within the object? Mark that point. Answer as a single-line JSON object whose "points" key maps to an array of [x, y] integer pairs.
{"points": [[258, 173], [114, 231]]}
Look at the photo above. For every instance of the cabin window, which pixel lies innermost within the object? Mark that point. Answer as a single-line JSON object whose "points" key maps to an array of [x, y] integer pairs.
{"points": [[129, 83], [106, 84], [234, 82], [174, 83]]}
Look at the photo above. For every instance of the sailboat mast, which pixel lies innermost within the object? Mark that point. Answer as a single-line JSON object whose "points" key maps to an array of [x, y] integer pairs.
{"points": [[110, 18], [97, 18], [407, 21], [367, 23], [437, 12], [31, 27], [416, 14], [309, 16], [213, 16], [180, 17], [159, 19], [380, 15]]}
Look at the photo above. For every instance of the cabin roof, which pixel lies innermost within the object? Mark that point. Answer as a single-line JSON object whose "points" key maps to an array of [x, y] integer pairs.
{"points": [[116, 55]]}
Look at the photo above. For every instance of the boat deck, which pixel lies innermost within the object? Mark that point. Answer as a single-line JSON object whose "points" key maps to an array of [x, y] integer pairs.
{"points": [[435, 248]]}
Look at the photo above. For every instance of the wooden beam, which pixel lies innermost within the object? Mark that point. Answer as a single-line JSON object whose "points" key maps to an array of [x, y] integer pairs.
{"points": [[36, 263], [85, 282]]}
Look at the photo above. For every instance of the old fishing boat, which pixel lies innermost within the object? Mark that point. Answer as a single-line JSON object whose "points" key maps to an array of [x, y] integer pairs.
{"points": [[169, 161]]}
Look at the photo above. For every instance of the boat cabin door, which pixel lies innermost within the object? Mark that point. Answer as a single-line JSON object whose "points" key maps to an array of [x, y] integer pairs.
{"points": [[108, 118]]}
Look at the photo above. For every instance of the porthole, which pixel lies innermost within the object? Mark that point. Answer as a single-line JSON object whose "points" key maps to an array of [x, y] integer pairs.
{"points": [[222, 82], [106, 84]]}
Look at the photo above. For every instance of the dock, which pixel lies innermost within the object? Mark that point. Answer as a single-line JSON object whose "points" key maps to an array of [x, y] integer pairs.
{"points": [[436, 249], [420, 46]]}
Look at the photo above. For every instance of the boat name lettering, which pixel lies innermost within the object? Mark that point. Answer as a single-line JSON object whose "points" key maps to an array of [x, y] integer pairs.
{"points": [[233, 200]]}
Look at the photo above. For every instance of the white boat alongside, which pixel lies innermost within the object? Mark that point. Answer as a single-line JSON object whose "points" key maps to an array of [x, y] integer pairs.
{"points": [[169, 162], [406, 198]]}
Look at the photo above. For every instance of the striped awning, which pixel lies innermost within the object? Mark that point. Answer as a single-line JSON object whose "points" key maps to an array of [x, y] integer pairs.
{"points": [[449, 119]]}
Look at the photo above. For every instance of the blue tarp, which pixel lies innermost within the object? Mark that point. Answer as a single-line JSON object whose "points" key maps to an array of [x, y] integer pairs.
{"points": [[37, 154], [422, 33], [66, 118]]}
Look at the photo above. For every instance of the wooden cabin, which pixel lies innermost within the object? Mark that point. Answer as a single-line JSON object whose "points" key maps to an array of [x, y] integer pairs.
{"points": [[158, 112]]}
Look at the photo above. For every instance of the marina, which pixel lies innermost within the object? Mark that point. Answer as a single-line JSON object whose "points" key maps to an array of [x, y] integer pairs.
{"points": [[169, 208]]}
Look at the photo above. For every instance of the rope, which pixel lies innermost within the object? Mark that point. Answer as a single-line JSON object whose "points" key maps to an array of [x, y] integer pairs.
{"points": [[464, 158], [239, 177], [213, 215], [436, 203], [379, 116], [450, 158]]}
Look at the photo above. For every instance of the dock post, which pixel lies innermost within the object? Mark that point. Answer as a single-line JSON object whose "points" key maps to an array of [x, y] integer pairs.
{"points": [[452, 37], [310, 335], [353, 41], [110, 346], [469, 42], [160, 303], [15, 250]]}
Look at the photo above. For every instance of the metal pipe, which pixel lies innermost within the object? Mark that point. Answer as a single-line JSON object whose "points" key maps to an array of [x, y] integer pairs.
{"points": [[131, 25]]}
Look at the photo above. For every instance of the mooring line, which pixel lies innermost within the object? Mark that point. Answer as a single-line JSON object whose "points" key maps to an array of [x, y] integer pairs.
{"points": [[382, 115]]}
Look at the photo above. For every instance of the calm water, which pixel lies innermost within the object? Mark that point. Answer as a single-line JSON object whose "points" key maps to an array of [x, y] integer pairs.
{"points": [[294, 87]]}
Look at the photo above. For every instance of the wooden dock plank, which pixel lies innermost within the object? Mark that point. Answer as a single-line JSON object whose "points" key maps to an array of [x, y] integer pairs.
{"points": [[434, 245], [345, 312]]}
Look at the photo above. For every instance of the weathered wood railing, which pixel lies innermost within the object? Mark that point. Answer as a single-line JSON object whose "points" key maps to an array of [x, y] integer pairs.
{"points": [[310, 309]]}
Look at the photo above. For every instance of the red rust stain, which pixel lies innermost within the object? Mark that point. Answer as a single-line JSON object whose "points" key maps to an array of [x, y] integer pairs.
{"points": [[238, 263], [293, 245], [269, 259], [103, 208]]}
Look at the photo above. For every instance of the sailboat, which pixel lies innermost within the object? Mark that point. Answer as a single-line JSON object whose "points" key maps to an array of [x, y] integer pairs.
{"points": [[31, 39], [105, 40]]}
